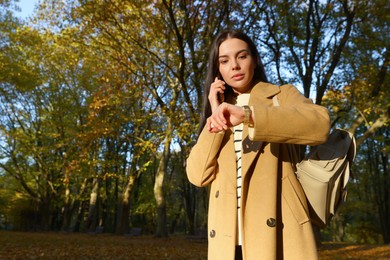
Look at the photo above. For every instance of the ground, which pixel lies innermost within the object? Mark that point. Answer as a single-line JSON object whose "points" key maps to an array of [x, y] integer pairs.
{"points": [[19, 245]]}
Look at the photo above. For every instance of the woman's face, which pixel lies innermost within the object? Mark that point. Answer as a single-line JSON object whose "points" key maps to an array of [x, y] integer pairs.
{"points": [[236, 64]]}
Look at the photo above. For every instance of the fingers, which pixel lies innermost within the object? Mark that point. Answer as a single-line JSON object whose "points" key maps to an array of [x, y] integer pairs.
{"points": [[214, 128], [218, 85], [225, 116], [216, 94], [217, 121]]}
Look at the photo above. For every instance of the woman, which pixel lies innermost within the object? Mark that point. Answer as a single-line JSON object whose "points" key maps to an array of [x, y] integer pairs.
{"points": [[257, 208]]}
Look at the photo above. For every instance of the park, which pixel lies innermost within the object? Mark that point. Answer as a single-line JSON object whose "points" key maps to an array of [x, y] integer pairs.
{"points": [[100, 105]]}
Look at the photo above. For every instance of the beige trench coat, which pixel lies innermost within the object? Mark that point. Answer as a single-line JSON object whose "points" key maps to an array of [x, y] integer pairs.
{"points": [[275, 217]]}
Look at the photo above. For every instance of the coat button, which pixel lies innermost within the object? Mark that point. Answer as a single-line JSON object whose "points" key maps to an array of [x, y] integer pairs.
{"points": [[212, 233], [217, 194], [271, 222]]}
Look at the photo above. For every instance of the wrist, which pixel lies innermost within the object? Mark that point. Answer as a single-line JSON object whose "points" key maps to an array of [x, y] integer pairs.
{"points": [[214, 106], [247, 116]]}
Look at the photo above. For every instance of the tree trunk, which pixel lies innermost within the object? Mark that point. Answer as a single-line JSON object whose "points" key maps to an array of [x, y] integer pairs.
{"points": [[384, 212], [67, 210], [161, 229], [190, 206], [79, 204], [338, 232], [122, 226], [91, 220]]}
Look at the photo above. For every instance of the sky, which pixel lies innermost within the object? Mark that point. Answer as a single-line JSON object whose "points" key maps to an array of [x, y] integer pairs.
{"points": [[27, 7]]}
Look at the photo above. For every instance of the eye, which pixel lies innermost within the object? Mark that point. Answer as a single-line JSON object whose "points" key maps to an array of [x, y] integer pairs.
{"points": [[223, 61], [243, 56]]}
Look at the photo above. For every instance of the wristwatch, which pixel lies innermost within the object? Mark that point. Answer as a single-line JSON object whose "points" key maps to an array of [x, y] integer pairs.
{"points": [[247, 115]]}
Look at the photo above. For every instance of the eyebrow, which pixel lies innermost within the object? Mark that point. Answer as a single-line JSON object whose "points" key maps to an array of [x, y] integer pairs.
{"points": [[243, 50]]}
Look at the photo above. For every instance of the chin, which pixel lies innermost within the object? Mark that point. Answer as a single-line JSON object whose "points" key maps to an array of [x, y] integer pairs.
{"points": [[240, 89]]}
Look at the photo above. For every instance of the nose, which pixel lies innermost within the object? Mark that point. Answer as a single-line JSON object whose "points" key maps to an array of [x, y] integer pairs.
{"points": [[235, 65]]}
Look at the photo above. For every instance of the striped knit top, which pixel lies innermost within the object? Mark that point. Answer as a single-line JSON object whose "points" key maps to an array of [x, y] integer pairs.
{"points": [[237, 134]]}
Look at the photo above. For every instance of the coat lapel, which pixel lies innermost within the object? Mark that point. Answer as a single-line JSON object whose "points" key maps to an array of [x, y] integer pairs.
{"points": [[228, 154], [260, 94], [250, 150]]}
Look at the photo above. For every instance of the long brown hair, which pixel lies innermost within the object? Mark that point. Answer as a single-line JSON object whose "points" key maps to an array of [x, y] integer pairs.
{"points": [[213, 69]]}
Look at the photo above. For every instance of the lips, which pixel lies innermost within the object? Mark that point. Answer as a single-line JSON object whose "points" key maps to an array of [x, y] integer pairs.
{"points": [[238, 76]]}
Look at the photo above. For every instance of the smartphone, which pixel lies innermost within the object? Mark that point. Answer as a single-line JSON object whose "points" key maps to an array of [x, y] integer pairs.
{"points": [[221, 97]]}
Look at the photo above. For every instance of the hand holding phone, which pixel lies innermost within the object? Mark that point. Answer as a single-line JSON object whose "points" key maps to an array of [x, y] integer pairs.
{"points": [[216, 93]]}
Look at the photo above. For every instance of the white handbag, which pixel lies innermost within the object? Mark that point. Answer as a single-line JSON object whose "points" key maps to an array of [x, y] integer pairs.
{"points": [[324, 175]]}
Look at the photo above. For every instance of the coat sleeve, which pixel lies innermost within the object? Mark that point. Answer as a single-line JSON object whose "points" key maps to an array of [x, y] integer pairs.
{"points": [[202, 161], [297, 120]]}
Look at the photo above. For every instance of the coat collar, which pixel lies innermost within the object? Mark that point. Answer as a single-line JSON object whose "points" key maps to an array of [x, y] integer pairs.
{"points": [[266, 90]]}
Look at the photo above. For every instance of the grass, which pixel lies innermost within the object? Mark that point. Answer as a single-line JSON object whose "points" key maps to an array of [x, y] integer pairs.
{"points": [[20, 245]]}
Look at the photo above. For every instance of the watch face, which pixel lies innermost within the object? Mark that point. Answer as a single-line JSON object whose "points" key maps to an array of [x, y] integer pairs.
{"points": [[247, 114]]}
